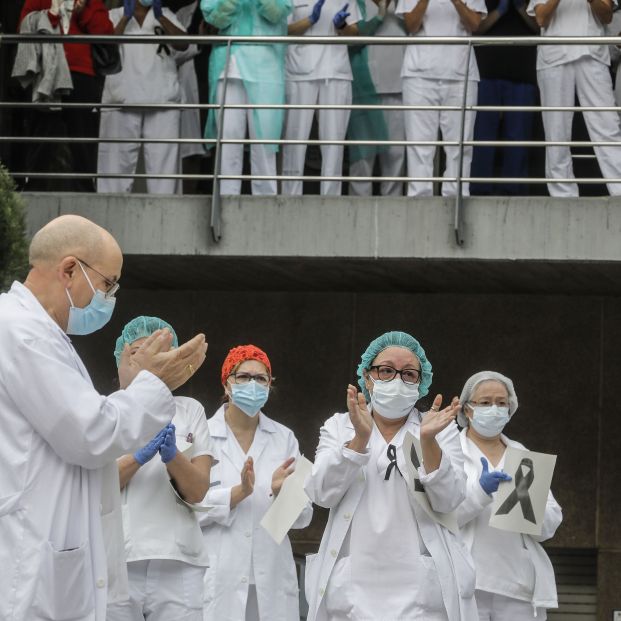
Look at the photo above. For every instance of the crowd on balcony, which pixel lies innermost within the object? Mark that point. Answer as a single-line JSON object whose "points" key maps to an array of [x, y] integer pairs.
{"points": [[416, 75]]}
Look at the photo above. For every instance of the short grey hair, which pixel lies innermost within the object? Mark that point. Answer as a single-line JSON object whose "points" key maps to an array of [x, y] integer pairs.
{"points": [[474, 381]]}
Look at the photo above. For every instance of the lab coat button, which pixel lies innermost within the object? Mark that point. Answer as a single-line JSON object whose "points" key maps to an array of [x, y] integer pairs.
{"points": [[321, 591], [333, 552], [248, 533], [347, 516], [101, 583], [244, 579]]}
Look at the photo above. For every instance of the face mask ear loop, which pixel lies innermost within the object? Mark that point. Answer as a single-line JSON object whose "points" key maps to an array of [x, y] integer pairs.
{"points": [[88, 280]]}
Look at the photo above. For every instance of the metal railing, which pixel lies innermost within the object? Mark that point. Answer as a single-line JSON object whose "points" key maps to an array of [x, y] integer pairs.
{"points": [[221, 107]]}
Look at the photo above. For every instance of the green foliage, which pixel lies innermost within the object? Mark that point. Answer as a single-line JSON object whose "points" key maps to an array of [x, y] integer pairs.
{"points": [[13, 244]]}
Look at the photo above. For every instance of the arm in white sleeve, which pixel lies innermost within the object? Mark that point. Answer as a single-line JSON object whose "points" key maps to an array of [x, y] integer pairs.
{"points": [[446, 486], [335, 468], [552, 519], [219, 502], [475, 502], [83, 427]]}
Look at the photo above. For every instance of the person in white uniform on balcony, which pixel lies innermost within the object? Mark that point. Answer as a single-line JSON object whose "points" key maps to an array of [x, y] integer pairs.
{"points": [[60, 515], [318, 74], [382, 558], [564, 71], [434, 75], [515, 579], [149, 76], [161, 484], [250, 577]]}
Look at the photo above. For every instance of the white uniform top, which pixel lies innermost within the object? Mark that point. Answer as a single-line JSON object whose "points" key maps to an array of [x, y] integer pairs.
{"points": [[571, 18], [155, 523], [61, 439], [404, 583], [148, 75], [320, 62], [442, 62], [241, 552], [385, 61], [509, 564]]}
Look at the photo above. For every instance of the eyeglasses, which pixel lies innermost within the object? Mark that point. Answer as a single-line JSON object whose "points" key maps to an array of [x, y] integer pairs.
{"points": [[501, 403], [386, 373], [113, 286], [245, 378]]}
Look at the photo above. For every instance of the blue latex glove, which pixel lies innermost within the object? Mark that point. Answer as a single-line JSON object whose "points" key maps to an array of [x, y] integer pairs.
{"points": [[147, 452], [128, 8], [490, 481], [340, 19], [168, 448], [316, 13], [157, 9], [503, 7]]}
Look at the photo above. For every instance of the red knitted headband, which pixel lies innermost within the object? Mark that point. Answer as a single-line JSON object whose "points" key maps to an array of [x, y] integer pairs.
{"points": [[240, 354]]}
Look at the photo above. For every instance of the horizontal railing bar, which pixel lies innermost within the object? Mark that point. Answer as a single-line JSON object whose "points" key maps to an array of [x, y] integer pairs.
{"points": [[310, 40], [496, 180], [182, 106], [282, 141]]}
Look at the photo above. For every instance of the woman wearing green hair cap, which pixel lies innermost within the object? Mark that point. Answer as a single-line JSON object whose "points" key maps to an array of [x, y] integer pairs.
{"points": [[161, 486], [382, 555]]}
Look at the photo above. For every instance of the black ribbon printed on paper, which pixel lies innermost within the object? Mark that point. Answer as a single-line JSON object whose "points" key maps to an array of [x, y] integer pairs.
{"points": [[520, 493]]}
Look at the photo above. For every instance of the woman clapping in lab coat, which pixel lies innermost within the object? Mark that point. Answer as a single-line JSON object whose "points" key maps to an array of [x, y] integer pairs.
{"points": [[250, 577]]}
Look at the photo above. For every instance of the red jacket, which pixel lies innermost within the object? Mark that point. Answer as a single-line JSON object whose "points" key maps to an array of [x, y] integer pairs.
{"points": [[93, 19]]}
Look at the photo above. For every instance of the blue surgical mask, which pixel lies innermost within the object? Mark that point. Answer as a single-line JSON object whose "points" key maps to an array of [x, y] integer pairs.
{"points": [[250, 397], [489, 420], [94, 316], [146, 3]]}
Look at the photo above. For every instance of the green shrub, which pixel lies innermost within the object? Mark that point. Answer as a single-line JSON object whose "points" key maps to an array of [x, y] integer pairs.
{"points": [[13, 244]]}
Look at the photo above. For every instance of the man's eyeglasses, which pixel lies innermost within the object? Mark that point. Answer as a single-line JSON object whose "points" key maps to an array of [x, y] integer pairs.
{"points": [[112, 285], [245, 378], [386, 373]]}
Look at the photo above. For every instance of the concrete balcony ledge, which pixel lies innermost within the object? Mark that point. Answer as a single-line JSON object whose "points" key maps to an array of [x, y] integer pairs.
{"points": [[511, 244]]}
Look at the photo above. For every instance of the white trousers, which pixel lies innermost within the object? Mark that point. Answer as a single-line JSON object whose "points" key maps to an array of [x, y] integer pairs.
{"points": [[493, 607], [392, 161], [424, 125], [262, 161], [161, 590], [332, 126], [591, 80], [122, 157]]}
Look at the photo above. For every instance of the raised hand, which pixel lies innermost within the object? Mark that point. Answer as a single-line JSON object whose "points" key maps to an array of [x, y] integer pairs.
{"points": [[174, 367], [359, 416], [148, 451], [168, 448], [128, 8], [247, 477], [340, 19], [503, 7], [435, 420], [157, 9], [280, 474], [316, 12], [490, 481]]}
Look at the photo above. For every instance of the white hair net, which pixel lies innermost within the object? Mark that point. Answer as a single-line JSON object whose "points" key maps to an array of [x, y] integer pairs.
{"points": [[474, 381]]}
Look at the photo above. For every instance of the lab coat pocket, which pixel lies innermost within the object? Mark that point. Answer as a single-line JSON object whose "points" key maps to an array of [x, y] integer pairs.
{"points": [[338, 599], [464, 569], [65, 588], [188, 534]]}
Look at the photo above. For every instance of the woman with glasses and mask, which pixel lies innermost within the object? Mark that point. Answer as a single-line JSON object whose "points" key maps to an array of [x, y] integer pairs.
{"points": [[161, 486], [250, 577], [515, 579], [382, 557]]}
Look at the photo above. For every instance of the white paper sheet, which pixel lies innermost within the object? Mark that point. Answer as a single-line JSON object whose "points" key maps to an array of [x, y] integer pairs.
{"points": [[289, 503], [520, 504], [410, 443]]}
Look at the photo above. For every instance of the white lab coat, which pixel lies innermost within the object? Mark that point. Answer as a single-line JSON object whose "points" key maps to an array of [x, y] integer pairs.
{"points": [[338, 481], [238, 546], [59, 504], [477, 501]]}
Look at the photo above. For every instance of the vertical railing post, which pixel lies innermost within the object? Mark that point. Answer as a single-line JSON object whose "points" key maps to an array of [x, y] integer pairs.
{"points": [[459, 197], [216, 202]]}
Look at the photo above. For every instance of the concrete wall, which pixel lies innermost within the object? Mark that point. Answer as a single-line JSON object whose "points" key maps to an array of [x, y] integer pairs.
{"points": [[561, 351]]}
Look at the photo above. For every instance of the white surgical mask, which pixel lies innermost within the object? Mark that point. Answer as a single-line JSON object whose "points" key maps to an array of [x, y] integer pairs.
{"points": [[393, 399], [489, 420]]}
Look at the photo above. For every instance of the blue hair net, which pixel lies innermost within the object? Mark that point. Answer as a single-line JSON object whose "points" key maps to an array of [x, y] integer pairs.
{"points": [[395, 339], [139, 328]]}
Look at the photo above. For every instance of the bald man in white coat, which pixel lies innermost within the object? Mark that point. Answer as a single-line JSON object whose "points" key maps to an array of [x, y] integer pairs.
{"points": [[59, 506]]}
